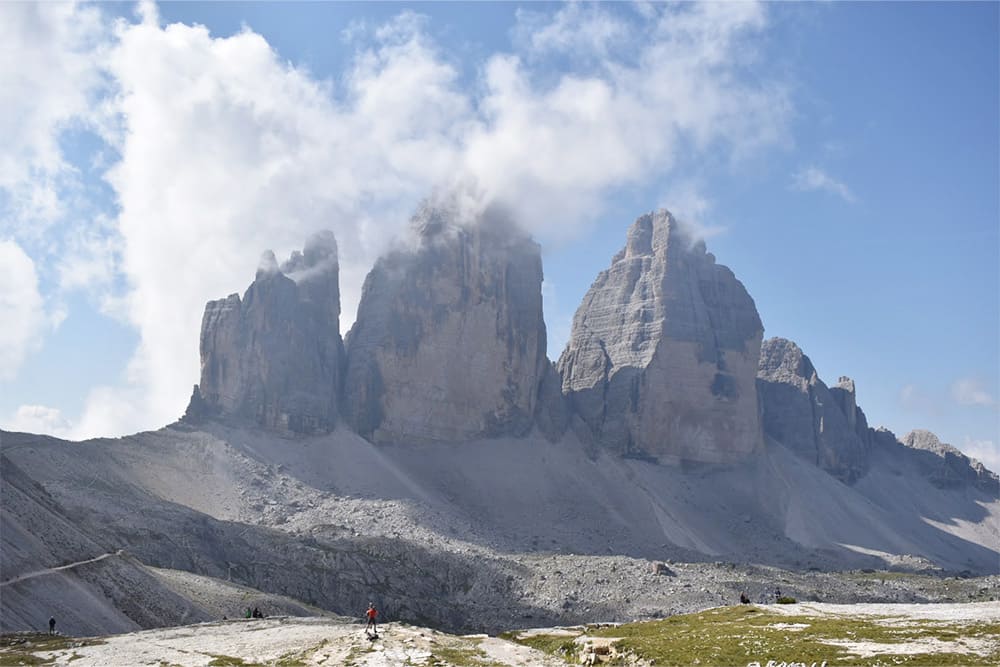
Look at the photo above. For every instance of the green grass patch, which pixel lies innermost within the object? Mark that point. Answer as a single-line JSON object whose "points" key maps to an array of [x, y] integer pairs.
{"points": [[230, 661], [21, 649], [298, 658], [740, 635], [460, 657], [558, 645], [17, 659]]}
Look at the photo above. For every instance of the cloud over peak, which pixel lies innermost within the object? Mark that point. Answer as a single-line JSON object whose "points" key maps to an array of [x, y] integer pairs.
{"points": [[222, 148]]}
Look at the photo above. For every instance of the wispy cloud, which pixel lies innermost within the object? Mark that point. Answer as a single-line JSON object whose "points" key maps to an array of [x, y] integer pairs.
{"points": [[586, 30], [914, 399], [814, 178], [970, 391], [686, 200], [986, 451]]}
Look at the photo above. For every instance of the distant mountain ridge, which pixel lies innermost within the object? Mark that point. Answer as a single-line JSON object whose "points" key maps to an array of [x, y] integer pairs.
{"points": [[664, 360]]}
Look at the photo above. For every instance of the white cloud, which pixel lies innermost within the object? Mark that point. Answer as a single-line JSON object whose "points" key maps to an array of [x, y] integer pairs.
{"points": [[814, 178], [22, 311], [914, 399], [89, 257], [578, 29], [226, 149], [970, 391], [49, 55], [688, 203], [986, 451], [38, 419], [553, 149]]}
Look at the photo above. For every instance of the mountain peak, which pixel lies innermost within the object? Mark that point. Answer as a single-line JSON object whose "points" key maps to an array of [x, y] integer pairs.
{"points": [[273, 358], [663, 353]]}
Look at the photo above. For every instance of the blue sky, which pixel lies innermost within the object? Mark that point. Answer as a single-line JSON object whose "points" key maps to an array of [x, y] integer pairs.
{"points": [[841, 158]]}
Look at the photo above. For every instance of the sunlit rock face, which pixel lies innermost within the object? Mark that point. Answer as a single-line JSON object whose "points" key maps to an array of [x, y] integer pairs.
{"points": [[663, 353], [822, 425], [274, 357], [449, 342]]}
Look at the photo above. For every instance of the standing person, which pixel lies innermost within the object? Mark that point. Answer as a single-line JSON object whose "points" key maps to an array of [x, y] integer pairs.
{"points": [[52, 625], [372, 614]]}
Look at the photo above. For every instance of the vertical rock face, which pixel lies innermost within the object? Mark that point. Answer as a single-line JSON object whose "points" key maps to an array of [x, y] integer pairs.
{"points": [[274, 358], [663, 352], [822, 425], [846, 398], [449, 342]]}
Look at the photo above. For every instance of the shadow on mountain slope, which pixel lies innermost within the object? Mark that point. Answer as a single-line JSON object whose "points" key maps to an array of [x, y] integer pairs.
{"points": [[520, 496]]}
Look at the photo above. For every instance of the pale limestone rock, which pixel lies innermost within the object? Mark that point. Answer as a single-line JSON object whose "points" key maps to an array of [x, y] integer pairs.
{"points": [[274, 357], [846, 397], [799, 411], [449, 342], [663, 353]]}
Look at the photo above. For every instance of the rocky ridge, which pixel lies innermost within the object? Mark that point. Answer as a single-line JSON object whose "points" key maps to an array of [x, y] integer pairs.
{"points": [[945, 466], [418, 474], [664, 362], [822, 425]]}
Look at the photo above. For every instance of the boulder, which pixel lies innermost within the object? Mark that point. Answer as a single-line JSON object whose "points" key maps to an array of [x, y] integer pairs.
{"points": [[449, 342], [663, 352]]}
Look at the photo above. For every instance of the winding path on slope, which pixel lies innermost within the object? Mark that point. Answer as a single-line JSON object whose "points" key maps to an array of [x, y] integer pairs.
{"points": [[51, 570]]}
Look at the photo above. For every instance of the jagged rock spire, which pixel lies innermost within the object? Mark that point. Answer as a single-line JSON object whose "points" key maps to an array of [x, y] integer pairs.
{"points": [[274, 357]]}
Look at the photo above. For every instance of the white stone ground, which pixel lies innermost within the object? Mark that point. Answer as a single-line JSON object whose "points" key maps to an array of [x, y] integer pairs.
{"points": [[313, 641], [905, 614], [336, 642], [967, 612]]}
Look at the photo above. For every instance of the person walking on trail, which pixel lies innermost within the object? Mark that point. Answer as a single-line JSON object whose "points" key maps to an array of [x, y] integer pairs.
{"points": [[371, 614], [52, 625]]}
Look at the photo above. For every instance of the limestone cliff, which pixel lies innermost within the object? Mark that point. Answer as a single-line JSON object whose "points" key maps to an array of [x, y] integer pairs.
{"points": [[945, 466], [663, 352], [822, 425], [274, 357], [449, 342]]}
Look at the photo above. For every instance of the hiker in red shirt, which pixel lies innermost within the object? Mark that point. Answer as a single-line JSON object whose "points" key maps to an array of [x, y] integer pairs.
{"points": [[372, 613]]}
